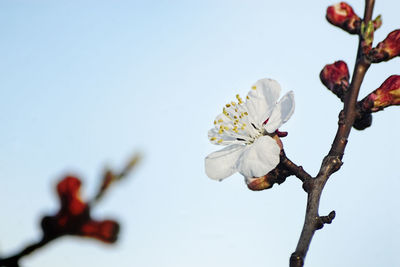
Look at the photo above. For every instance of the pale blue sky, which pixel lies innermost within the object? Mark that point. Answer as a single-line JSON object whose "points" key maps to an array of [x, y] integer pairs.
{"points": [[85, 84]]}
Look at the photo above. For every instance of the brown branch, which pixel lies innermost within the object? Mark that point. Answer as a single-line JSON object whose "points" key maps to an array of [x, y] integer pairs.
{"points": [[333, 160], [298, 171]]}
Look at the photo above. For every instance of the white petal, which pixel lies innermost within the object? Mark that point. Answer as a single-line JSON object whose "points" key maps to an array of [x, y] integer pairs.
{"points": [[259, 158], [262, 99], [222, 163], [281, 113]]}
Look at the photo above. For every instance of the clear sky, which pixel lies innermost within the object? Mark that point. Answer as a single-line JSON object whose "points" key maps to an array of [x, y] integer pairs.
{"points": [[85, 84]]}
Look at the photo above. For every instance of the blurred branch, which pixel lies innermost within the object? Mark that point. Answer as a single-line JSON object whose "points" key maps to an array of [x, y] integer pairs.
{"points": [[73, 217], [110, 177], [13, 261]]}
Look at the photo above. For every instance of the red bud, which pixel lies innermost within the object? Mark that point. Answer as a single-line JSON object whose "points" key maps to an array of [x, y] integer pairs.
{"points": [[74, 218], [388, 94], [387, 49], [342, 15], [336, 77]]}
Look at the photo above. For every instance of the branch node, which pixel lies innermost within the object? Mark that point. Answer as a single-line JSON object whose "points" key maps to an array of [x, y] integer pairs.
{"points": [[342, 118], [330, 165], [322, 220], [308, 184], [296, 260]]}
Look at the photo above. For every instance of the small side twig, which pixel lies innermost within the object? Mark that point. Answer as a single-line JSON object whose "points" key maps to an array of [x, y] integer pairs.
{"points": [[298, 171]]}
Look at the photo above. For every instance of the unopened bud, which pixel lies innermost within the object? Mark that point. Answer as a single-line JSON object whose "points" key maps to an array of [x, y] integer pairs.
{"points": [[388, 94], [387, 49], [367, 33], [377, 22], [336, 77], [277, 175], [342, 15], [259, 183], [363, 122]]}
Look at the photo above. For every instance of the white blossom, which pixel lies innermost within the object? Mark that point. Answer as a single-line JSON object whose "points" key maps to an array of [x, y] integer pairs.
{"points": [[247, 129]]}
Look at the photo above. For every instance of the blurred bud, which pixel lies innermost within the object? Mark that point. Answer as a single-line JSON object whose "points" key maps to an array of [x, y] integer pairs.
{"points": [[277, 175], [388, 94], [74, 218], [106, 231], [110, 177], [387, 49], [336, 77], [343, 16]]}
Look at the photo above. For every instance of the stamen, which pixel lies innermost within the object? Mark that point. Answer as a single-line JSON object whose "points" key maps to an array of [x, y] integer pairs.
{"points": [[240, 100], [254, 87]]}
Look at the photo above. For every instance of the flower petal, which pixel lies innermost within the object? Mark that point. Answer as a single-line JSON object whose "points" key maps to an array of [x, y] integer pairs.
{"points": [[222, 163], [281, 113], [259, 158], [262, 99]]}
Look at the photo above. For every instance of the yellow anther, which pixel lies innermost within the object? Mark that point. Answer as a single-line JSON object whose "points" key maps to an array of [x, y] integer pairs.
{"points": [[235, 117], [254, 87], [245, 113], [215, 122], [247, 97], [233, 103], [220, 121], [236, 110], [240, 100], [213, 138], [225, 112], [220, 131], [228, 105], [226, 128], [220, 141]]}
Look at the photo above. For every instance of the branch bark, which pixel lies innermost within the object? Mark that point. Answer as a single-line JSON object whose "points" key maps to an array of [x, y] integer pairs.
{"points": [[333, 161]]}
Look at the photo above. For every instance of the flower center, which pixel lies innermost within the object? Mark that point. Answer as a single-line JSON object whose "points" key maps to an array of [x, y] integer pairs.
{"points": [[235, 124]]}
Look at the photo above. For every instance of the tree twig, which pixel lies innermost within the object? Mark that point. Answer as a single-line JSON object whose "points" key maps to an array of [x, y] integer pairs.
{"points": [[333, 160]]}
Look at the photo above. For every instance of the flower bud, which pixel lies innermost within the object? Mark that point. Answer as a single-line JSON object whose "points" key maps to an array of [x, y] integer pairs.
{"points": [[363, 122], [277, 175], [342, 15], [388, 94], [387, 49], [336, 77]]}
